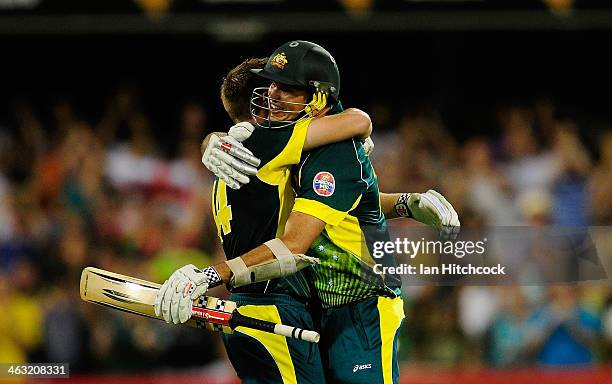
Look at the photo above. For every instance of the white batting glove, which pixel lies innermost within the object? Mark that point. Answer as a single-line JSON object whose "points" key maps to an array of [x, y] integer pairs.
{"points": [[229, 160], [433, 209], [368, 145], [175, 297], [241, 131]]}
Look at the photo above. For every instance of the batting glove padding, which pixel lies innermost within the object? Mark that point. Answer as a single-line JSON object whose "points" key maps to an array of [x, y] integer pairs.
{"points": [[433, 209], [175, 297], [229, 160], [241, 131], [368, 146]]}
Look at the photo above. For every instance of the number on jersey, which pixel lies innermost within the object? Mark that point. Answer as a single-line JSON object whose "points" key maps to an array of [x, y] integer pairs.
{"points": [[221, 210]]}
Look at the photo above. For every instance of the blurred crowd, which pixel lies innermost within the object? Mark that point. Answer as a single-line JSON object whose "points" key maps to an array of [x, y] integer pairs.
{"points": [[75, 192], [534, 169]]}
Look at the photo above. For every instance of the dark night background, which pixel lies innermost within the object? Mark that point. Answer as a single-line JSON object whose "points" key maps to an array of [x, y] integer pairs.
{"points": [[502, 106]]}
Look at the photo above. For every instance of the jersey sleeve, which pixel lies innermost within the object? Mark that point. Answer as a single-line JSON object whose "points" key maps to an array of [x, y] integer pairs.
{"points": [[330, 182], [278, 168]]}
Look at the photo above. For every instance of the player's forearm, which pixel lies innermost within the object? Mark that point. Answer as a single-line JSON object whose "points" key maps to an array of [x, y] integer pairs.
{"points": [[256, 256], [331, 129], [389, 206], [300, 231]]}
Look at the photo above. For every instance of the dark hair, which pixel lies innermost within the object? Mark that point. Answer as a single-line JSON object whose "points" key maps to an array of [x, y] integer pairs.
{"points": [[237, 87]]}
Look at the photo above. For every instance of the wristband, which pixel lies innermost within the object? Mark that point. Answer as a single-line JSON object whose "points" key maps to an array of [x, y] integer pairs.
{"points": [[213, 277], [401, 206]]}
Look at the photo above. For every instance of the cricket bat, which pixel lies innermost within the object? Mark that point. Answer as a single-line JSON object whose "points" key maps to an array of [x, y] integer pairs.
{"points": [[137, 296]]}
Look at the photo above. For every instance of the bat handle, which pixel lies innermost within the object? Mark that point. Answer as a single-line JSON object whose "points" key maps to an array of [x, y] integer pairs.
{"points": [[296, 333], [280, 329]]}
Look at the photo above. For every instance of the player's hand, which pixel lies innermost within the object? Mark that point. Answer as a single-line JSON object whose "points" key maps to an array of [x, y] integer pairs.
{"points": [[229, 160], [175, 297], [433, 209], [317, 104], [368, 145]]}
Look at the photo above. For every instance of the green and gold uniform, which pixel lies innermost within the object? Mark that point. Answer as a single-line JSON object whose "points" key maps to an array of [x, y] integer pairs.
{"points": [[245, 219], [361, 311]]}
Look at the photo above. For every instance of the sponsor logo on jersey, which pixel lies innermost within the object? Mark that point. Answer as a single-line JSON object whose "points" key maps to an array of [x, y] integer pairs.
{"points": [[279, 60], [359, 367], [324, 184]]}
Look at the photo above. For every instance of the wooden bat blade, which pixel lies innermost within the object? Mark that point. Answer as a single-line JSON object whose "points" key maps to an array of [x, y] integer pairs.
{"points": [[137, 296], [118, 291]]}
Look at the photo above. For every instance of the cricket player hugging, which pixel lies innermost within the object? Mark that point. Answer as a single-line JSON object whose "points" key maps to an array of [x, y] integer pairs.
{"points": [[333, 215]]}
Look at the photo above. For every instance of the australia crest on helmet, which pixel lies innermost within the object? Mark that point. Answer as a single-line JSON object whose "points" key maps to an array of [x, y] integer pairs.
{"points": [[279, 60]]}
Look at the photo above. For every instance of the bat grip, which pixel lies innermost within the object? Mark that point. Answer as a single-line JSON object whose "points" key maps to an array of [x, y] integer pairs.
{"points": [[296, 333], [280, 329]]}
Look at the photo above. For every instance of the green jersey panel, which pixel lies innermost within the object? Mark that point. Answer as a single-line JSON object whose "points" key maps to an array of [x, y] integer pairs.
{"points": [[338, 185]]}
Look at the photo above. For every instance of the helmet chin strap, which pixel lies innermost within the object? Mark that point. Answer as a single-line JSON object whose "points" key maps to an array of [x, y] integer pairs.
{"points": [[261, 102]]}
